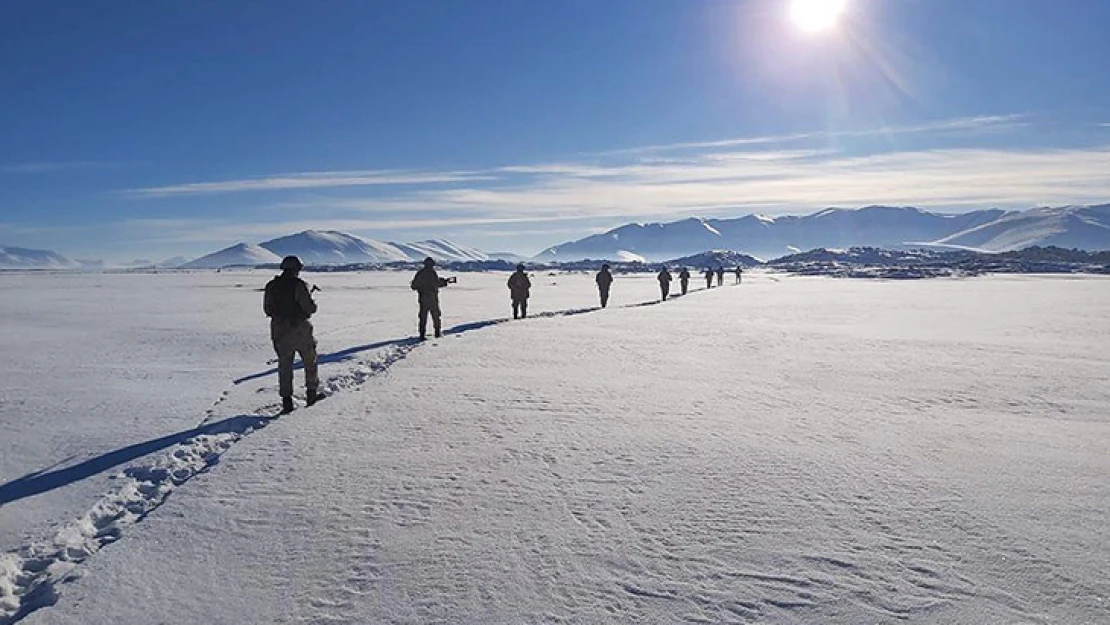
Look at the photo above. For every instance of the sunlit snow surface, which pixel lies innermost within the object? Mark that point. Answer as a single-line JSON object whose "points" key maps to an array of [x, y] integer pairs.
{"points": [[793, 450]]}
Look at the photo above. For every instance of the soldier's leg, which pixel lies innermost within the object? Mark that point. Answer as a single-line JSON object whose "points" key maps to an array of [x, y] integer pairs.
{"points": [[423, 316], [516, 309], [436, 319], [285, 354], [307, 349], [523, 308]]}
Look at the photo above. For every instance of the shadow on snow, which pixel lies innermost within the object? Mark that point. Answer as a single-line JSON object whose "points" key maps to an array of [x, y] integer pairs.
{"points": [[47, 480]]}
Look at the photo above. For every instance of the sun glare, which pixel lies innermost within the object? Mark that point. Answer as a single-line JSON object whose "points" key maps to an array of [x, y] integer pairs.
{"points": [[813, 16]]}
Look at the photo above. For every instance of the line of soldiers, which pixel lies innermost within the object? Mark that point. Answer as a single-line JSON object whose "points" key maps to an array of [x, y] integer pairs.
{"points": [[289, 305], [665, 280]]}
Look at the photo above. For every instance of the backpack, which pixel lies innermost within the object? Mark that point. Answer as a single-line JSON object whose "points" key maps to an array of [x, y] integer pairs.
{"points": [[281, 293]]}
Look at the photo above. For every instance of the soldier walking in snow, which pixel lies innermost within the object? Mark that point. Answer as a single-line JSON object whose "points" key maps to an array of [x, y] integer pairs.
{"points": [[664, 283], [288, 303], [720, 276], [519, 289], [709, 278], [739, 274], [427, 284], [684, 280], [604, 280]]}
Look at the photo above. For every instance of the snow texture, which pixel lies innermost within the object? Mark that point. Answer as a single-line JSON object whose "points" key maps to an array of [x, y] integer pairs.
{"points": [[821, 451]]}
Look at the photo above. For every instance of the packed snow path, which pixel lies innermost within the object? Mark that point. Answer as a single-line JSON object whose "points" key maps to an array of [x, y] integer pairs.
{"points": [[804, 451]]}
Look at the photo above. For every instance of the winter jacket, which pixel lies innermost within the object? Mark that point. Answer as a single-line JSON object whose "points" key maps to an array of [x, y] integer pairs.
{"points": [[520, 286], [604, 279], [287, 297], [664, 277], [427, 282]]}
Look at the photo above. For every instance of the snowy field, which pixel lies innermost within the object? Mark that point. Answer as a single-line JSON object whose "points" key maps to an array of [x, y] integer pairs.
{"points": [[794, 450]]}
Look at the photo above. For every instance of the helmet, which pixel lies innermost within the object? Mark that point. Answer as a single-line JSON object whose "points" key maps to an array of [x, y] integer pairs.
{"points": [[429, 261], [520, 267], [291, 263]]}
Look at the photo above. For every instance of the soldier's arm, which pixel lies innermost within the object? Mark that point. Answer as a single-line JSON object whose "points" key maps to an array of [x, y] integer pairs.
{"points": [[267, 303], [304, 299]]}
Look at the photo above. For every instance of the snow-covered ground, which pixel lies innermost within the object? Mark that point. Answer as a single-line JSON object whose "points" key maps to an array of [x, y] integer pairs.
{"points": [[795, 450]]}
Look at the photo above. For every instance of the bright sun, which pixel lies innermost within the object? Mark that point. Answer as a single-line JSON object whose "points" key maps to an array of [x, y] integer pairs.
{"points": [[814, 16]]}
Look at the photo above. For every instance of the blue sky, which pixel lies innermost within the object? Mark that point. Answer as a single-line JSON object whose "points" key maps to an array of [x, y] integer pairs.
{"points": [[152, 129]]}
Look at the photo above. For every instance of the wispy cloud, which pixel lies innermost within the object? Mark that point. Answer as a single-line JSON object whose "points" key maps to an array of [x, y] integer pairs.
{"points": [[728, 183], [320, 180], [43, 167], [963, 124], [228, 232], [311, 180], [722, 178]]}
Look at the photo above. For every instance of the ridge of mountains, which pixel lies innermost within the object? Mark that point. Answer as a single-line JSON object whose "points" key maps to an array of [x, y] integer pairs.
{"points": [[24, 258], [329, 247], [758, 236], [1082, 227]]}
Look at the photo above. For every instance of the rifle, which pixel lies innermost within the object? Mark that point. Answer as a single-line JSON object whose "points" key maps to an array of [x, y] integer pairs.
{"points": [[445, 281]]}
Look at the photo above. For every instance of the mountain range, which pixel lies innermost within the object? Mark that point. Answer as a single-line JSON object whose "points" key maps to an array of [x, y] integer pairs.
{"points": [[1083, 227], [23, 258], [1080, 227]]}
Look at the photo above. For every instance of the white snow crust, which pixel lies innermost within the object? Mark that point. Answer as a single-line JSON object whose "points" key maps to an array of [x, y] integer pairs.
{"points": [[791, 450]]}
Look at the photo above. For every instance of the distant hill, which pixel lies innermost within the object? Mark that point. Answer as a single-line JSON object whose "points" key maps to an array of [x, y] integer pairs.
{"points": [[873, 226], [715, 258], [332, 248], [24, 258], [315, 247], [238, 254], [440, 249], [869, 262], [507, 257], [1080, 227]]}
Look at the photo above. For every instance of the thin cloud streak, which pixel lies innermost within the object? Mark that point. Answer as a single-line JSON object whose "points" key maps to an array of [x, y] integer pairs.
{"points": [[320, 180], [44, 167], [310, 180], [983, 122], [178, 231]]}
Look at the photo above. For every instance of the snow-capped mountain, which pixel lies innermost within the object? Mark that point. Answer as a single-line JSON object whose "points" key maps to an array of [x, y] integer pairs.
{"points": [[315, 247], [655, 241], [328, 247], [1081, 227], [239, 254], [508, 257], [441, 249], [769, 237], [169, 263], [715, 258], [23, 258]]}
